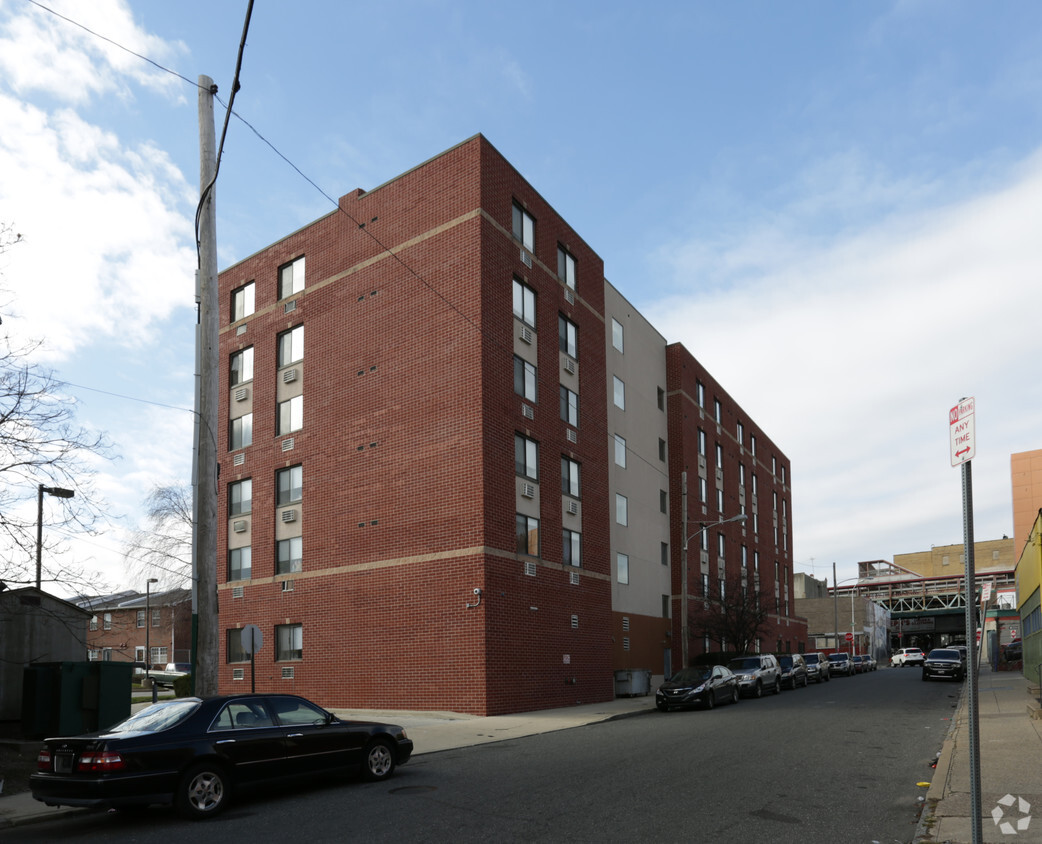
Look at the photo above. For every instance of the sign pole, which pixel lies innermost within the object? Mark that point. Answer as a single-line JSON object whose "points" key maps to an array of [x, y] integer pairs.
{"points": [[963, 437]]}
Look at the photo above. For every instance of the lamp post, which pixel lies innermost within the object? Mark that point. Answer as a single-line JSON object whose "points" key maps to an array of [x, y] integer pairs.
{"points": [[683, 564], [148, 628], [835, 609], [57, 492]]}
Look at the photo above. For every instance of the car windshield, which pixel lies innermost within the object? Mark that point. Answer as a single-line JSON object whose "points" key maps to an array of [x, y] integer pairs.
{"points": [[746, 664], [811, 659], [785, 661], [691, 675], [837, 657], [944, 654], [159, 716]]}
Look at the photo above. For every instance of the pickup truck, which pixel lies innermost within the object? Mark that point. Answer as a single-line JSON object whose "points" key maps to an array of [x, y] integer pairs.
{"points": [[172, 671]]}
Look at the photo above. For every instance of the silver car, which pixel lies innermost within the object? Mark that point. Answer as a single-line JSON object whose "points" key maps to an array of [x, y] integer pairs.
{"points": [[757, 673], [817, 667]]}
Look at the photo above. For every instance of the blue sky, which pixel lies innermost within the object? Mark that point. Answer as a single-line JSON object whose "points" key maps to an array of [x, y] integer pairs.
{"points": [[833, 205]]}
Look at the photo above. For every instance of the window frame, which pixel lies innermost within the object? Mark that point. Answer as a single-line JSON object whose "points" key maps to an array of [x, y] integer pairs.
{"points": [[622, 510], [618, 337], [523, 534], [568, 336], [522, 226], [236, 563], [237, 374], [526, 457], [236, 654], [526, 374], [566, 267], [622, 568], [620, 449], [296, 636], [571, 477], [290, 564], [237, 504], [618, 392], [290, 346], [294, 287], [291, 472], [571, 548], [243, 301], [240, 432], [289, 416], [525, 302], [569, 406]]}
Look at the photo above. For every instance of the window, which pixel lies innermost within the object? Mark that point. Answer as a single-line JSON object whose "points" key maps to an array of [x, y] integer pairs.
{"points": [[234, 649], [524, 379], [705, 586], [140, 618], [291, 415], [741, 474], [619, 392], [754, 484], [620, 451], [106, 622], [566, 267], [570, 484], [524, 303], [157, 617], [718, 411], [239, 562], [661, 398], [571, 550], [568, 337], [756, 560], [243, 301], [703, 490], [527, 530], [701, 442], [526, 457], [662, 450], [616, 334], [664, 553], [720, 545], [93, 622], [289, 484], [622, 567], [665, 606], [290, 555], [240, 497], [241, 434], [700, 393], [663, 501], [289, 642], [741, 434], [745, 556], [291, 278], [241, 368], [719, 456], [720, 501], [291, 346], [524, 227], [783, 475], [622, 509], [569, 407], [752, 444]]}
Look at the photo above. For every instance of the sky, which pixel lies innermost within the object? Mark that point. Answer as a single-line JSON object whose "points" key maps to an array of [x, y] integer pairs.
{"points": [[833, 205]]}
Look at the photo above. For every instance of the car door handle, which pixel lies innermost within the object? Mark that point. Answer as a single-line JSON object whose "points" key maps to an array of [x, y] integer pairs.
{"points": [[294, 735], [226, 741]]}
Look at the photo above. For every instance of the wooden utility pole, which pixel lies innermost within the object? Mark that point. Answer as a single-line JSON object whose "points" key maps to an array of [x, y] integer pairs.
{"points": [[204, 463]]}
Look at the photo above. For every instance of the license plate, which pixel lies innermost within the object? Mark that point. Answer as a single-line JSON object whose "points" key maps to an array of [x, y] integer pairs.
{"points": [[63, 763]]}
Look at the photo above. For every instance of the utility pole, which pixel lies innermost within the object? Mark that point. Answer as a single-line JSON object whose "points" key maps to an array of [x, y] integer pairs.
{"points": [[683, 573], [204, 463]]}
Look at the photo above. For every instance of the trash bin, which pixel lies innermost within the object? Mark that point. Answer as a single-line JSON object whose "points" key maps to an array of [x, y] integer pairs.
{"points": [[68, 698], [632, 682]]}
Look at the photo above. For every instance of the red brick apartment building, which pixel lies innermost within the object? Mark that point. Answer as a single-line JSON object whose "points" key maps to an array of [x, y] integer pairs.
{"points": [[377, 531], [117, 626]]}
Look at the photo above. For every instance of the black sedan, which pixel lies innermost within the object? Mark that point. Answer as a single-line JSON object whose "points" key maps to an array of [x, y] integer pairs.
{"points": [[698, 686], [193, 753], [944, 662]]}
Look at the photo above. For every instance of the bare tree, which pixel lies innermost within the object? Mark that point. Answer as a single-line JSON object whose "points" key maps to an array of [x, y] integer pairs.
{"points": [[736, 615], [41, 445], [163, 549]]}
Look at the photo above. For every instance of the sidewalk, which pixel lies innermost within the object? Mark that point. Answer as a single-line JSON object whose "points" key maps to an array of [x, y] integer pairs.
{"points": [[430, 732], [1010, 767]]}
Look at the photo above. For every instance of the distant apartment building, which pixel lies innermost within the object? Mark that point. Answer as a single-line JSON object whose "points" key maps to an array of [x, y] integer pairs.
{"points": [[382, 364], [126, 626]]}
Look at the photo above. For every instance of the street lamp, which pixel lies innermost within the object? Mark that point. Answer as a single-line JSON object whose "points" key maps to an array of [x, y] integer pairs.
{"points": [[835, 609], [57, 492], [683, 564], [148, 628]]}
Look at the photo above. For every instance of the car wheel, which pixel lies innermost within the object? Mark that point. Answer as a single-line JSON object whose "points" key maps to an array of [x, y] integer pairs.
{"points": [[925, 676], [758, 689], [202, 792], [777, 686], [710, 699], [379, 760], [734, 694]]}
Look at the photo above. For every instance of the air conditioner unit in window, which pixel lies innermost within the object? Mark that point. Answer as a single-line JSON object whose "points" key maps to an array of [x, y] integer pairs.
{"points": [[287, 585], [238, 674], [287, 672], [528, 490], [242, 393], [236, 591], [569, 366], [526, 259], [240, 525], [289, 515], [573, 507], [289, 375], [290, 306], [526, 334], [527, 411]]}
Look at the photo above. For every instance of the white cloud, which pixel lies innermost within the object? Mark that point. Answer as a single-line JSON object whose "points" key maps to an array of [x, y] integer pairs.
{"points": [[850, 355]]}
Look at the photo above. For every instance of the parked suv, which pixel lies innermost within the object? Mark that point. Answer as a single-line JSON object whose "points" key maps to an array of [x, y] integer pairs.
{"points": [[841, 663], [817, 667], [757, 674], [907, 656], [793, 670]]}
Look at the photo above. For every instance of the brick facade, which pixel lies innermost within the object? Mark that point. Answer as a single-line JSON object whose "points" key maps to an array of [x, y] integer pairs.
{"points": [[410, 491]]}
